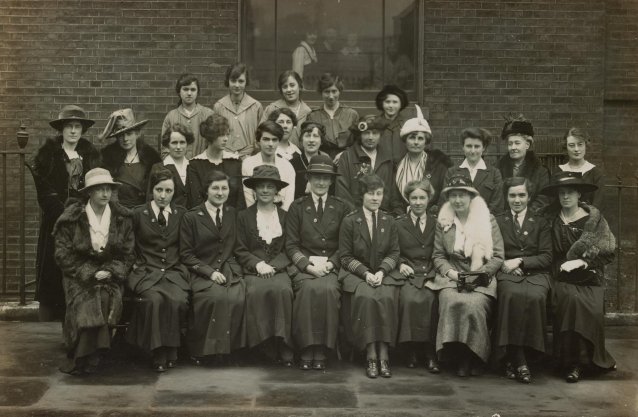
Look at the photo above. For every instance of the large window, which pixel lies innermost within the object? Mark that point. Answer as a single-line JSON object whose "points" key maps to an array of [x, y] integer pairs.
{"points": [[368, 43]]}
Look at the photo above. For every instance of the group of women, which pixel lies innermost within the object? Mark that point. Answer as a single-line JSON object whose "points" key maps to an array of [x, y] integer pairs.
{"points": [[288, 229]]}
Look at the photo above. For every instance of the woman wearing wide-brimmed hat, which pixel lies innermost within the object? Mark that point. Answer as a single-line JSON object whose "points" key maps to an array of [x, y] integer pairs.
{"points": [[583, 245], [94, 246], [312, 243], [59, 167], [467, 239], [128, 159], [261, 254]]}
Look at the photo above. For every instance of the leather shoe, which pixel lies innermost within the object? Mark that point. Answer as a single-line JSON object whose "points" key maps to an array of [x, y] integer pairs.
{"points": [[372, 370], [523, 374], [510, 371], [384, 370], [305, 365], [433, 366], [573, 375], [319, 365], [159, 368]]}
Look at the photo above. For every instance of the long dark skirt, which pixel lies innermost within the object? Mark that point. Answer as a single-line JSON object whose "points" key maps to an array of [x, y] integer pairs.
{"points": [[579, 332], [521, 316], [373, 314], [158, 317], [216, 320], [268, 308], [419, 314], [315, 311], [463, 318]]}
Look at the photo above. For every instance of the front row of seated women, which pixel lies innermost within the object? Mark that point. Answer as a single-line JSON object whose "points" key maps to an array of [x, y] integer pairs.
{"points": [[465, 287]]}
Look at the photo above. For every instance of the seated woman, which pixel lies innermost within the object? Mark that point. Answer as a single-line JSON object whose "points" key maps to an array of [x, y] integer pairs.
{"points": [[176, 139], [522, 282], [94, 249], [418, 304], [312, 242], [215, 130], [288, 122], [467, 240], [158, 278], [369, 251], [260, 252], [312, 135], [207, 240], [583, 244]]}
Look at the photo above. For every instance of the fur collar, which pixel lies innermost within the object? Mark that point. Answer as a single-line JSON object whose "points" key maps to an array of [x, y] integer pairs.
{"points": [[51, 151], [113, 156], [506, 165], [76, 208], [436, 156], [596, 239], [478, 227]]}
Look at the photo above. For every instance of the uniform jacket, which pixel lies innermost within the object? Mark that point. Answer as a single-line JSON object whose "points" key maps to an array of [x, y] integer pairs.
{"points": [[180, 196], [198, 170], [243, 122], [533, 171], [338, 136], [157, 250], [488, 182], [416, 248], [79, 262], [205, 249]]}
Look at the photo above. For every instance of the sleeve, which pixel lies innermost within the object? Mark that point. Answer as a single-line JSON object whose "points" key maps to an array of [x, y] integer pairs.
{"points": [[289, 176], [293, 237], [389, 262], [346, 250], [439, 255], [194, 190], [446, 178], [120, 264], [71, 264], [540, 201], [599, 180], [187, 247], [496, 203], [247, 171], [342, 182], [543, 259], [269, 109], [166, 124], [498, 251], [48, 199], [244, 255]]}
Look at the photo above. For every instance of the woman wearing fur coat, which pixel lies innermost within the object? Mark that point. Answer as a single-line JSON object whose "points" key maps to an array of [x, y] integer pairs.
{"points": [[94, 249]]}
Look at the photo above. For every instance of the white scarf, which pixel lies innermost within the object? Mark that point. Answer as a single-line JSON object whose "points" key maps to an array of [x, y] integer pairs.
{"points": [[268, 225], [477, 230], [405, 174], [99, 229]]}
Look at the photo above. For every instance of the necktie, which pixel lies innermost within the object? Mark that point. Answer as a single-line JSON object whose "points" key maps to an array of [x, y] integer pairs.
{"points": [[517, 225], [218, 219], [161, 219], [373, 235], [373, 244], [320, 208], [417, 225]]}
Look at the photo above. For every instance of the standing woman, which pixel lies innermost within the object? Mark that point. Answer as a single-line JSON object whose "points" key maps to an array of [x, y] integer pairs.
{"points": [[391, 101], [128, 159], [207, 240], [59, 167], [288, 122], [486, 179], [335, 117], [176, 138], [467, 239], [188, 112], [418, 304], [290, 85], [312, 135], [312, 242], [576, 141], [369, 251], [216, 131], [242, 111], [94, 246], [419, 163], [158, 278], [522, 283], [260, 251], [304, 57], [583, 244]]}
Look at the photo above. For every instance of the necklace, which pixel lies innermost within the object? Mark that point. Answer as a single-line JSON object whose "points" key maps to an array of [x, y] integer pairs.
{"points": [[131, 160]]}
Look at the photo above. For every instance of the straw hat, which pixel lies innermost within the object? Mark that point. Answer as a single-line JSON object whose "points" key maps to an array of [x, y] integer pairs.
{"points": [[98, 176]]}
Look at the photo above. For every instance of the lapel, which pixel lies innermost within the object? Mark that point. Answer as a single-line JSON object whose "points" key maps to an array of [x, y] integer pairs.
{"points": [[150, 217], [528, 226], [311, 212], [228, 222], [509, 231], [409, 226], [383, 220], [178, 180], [363, 227], [329, 213], [172, 219], [202, 213], [481, 176]]}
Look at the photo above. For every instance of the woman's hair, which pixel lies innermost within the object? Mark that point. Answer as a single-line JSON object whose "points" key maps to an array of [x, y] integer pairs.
{"points": [[391, 90], [270, 127], [214, 175], [178, 128], [213, 127], [370, 183], [328, 80], [307, 127], [428, 137], [578, 133], [159, 174], [476, 133], [283, 78], [235, 71], [284, 110], [515, 182], [186, 79], [423, 184]]}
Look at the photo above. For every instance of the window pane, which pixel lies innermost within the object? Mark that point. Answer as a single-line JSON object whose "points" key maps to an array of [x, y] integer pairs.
{"points": [[258, 43], [400, 44]]}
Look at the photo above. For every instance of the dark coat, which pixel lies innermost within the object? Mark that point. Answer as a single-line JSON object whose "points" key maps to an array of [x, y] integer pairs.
{"points": [[198, 170], [416, 248], [391, 138], [79, 262], [52, 187], [488, 182], [180, 197], [536, 173], [157, 250], [251, 249], [205, 249], [308, 236], [355, 245]]}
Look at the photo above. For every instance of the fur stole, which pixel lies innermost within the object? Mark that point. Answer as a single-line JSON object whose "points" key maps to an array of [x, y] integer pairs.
{"points": [[506, 165], [478, 227], [596, 239], [49, 162], [436, 157], [113, 157]]}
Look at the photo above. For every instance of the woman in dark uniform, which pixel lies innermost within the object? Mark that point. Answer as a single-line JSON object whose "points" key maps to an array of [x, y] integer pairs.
{"points": [[176, 139], [158, 278], [128, 159], [522, 283], [369, 251], [583, 244], [311, 135], [312, 242], [260, 252], [418, 305], [207, 240]]}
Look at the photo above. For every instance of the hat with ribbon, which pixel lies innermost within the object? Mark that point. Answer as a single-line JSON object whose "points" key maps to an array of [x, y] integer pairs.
{"points": [[121, 121], [459, 181], [263, 173], [568, 179], [71, 113], [321, 164], [98, 176], [518, 125], [416, 124]]}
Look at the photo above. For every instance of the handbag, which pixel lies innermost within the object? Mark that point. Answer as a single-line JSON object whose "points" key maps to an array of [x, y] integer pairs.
{"points": [[468, 281]]}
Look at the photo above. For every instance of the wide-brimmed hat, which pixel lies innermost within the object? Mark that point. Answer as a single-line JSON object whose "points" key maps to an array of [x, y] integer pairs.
{"points": [[98, 176], [369, 122], [321, 164], [71, 113], [459, 181], [517, 125], [394, 90], [416, 124], [265, 173], [121, 121], [568, 179]]}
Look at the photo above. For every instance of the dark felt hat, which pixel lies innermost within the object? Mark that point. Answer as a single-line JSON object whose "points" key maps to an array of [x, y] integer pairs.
{"points": [[71, 113], [369, 122], [517, 125], [321, 164], [265, 173], [394, 90], [568, 179], [459, 181]]}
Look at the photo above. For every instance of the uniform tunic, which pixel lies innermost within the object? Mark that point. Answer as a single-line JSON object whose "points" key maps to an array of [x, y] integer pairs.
{"points": [[315, 315], [180, 197]]}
